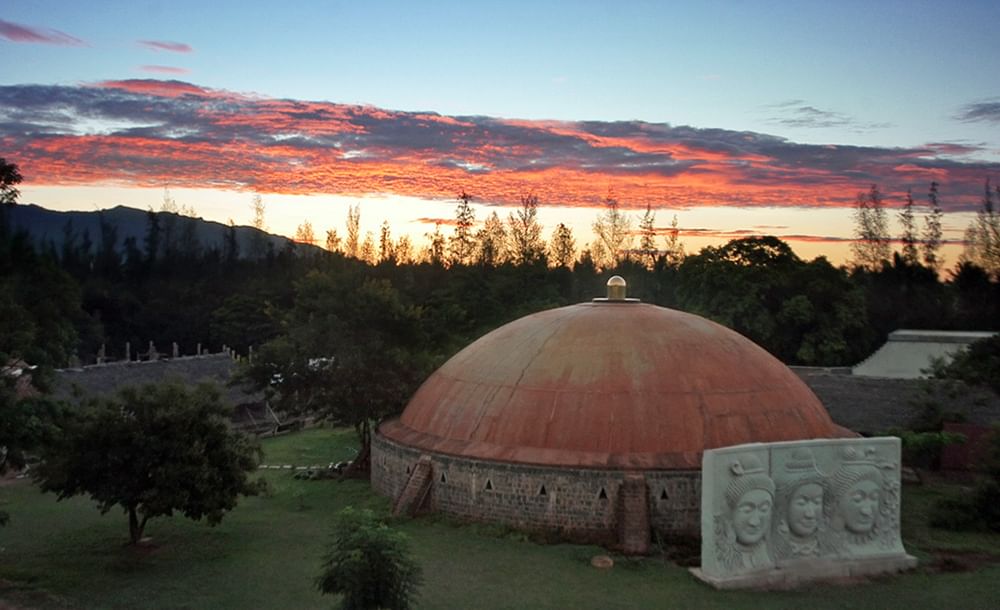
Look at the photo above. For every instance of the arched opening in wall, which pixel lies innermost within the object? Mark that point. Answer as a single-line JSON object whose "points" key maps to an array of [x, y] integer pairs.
{"points": [[542, 492], [603, 495], [663, 494], [443, 479], [488, 486], [407, 470]]}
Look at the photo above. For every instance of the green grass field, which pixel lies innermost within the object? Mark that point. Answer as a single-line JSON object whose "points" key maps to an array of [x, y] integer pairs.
{"points": [[266, 553]]}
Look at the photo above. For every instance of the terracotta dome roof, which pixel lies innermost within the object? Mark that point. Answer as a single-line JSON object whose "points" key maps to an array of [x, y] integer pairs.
{"points": [[609, 384]]}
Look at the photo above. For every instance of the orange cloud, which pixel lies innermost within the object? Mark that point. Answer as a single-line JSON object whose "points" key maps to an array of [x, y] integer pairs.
{"points": [[148, 132]]}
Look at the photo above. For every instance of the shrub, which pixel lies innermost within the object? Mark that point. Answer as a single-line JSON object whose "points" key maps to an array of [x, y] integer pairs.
{"points": [[369, 564]]}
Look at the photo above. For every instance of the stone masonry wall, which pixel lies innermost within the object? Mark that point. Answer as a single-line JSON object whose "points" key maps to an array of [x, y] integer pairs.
{"points": [[579, 503]]}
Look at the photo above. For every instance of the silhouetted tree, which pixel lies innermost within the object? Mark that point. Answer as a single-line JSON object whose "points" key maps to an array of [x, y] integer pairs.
{"points": [[562, 248], [461, 245], [909, 238], [871, 231], [491, 242], [10, 177], [525, 233], [930, 242], [613, 231], [352, 243], [647, 237], [674, 248], [982, 237]]}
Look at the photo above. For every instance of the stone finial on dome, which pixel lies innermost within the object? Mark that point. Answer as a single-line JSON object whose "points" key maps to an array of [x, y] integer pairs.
{"points": [[616, 288]]}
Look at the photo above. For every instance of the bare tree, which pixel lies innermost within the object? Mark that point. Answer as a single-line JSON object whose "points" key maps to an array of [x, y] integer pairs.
{"points": [[525, 234], [333, 241], [931, 236], [647, 237], [674, 251], [982, 237], [257, 240], [871, 232], [353, 230], [909, 238], [613, 231]]}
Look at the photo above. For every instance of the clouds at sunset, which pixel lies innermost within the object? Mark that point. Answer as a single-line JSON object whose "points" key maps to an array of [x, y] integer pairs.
{"points": [[149, 132], [16, 32], [986, 112], [163, 69]]}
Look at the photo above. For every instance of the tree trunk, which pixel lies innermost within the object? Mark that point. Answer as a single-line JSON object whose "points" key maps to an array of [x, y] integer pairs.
{"points": [[361, 466], [135, 526]]}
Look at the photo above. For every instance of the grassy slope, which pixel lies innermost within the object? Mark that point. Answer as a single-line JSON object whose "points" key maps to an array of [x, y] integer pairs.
{"points": [[265, 554]]}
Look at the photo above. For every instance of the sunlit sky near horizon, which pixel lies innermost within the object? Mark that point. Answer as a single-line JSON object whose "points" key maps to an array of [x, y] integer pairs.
{"points": [[738, 117]]}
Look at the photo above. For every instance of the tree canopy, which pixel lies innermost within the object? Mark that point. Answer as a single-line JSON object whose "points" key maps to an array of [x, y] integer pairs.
{"points": [[153, 450]]}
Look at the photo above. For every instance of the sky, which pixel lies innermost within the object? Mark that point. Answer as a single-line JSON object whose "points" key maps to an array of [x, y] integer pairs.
{"points": [[740, 118]]}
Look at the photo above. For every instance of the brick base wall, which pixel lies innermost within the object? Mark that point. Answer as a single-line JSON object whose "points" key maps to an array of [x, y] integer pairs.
{"points": [[581, 504]]}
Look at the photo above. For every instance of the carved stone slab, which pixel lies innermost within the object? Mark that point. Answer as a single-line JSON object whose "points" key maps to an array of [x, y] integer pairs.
{"points": [[779, 514]]}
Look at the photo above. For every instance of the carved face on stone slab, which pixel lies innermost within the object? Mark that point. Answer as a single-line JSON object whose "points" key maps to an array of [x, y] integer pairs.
{"points": [[859, 505], [752, 516], [805, 509]]}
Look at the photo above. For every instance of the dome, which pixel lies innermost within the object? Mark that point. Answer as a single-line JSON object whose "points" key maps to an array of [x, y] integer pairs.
{"points": [[608, 384]]}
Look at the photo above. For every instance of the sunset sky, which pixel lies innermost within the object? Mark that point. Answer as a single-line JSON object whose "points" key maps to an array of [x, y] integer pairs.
{"points": [[739, 117]]}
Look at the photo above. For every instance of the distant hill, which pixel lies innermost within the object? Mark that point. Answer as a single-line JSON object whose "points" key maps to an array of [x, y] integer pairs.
{"points": [[49, 226]]}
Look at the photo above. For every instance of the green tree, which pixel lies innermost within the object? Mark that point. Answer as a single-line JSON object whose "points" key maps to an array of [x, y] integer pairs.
{"points": [[153, 450], [354, 352], [369, 564], [870, 247], [10, 177]]}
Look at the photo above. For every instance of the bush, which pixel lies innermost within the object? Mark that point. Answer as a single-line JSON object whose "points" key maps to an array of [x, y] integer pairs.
{"points": [[369, 564], [979, 510]]}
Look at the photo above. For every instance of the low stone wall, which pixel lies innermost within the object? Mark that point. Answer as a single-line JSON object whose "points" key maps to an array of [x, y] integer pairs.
{"points": [[580, 504]]}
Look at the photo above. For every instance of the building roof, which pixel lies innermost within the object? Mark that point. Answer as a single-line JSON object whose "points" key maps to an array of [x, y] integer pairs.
{"points": [[908, 353], [609, 384]]}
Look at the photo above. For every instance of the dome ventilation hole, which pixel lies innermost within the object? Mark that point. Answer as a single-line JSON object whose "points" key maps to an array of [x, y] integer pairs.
{"points": [[603, 495], [542, 492], [489, 485]]}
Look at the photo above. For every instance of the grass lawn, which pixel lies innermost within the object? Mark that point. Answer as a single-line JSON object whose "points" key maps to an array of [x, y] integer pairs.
{"points": [[265, 554]]}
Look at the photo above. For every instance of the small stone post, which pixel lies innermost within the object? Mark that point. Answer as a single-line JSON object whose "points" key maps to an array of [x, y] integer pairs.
{"points": [[128, 351], [198, 350], [101, 354], [176, 350]]}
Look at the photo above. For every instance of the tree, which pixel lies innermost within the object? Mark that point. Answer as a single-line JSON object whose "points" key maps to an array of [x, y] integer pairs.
{"points": [[353, 352], [909, 238], [462, 245], [982, 237], [930, 241], [434, 252], [258, 246], [871, 231], [613, 229], [491, 242], [369, 564], [526, 247], [367, 252], [647, 237], [674, 251], [152, 451], [332, 241], [562, 249], [10, 177], [352, 242], [304, 234], [386, 249]]}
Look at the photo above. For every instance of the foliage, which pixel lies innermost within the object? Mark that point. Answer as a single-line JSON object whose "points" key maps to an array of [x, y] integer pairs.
{"points": [[909, 237], [982, 237], [461, 245], [979, 364], [930, 242], [923, 449], [353, 351], [525, 234], [369, 564], [980, 509], [153, 450], [10, 177], [613, 231]]}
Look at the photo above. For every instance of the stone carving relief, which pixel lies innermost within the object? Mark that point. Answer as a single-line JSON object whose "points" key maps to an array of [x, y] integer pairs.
{"points": [[804, 510]]}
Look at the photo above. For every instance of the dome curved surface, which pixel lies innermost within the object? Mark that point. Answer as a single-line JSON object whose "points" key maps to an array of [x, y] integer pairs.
{"points": [[614, 385]]}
